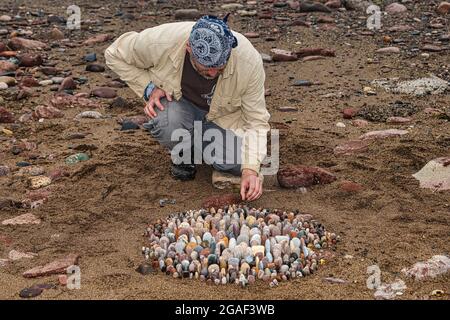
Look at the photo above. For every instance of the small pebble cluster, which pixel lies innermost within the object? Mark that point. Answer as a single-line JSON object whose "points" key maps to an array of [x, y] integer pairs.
{"points": [[237, 244]]}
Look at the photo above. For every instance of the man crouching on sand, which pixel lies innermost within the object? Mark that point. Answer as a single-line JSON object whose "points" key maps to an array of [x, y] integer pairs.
{"points": [[200, 73]]}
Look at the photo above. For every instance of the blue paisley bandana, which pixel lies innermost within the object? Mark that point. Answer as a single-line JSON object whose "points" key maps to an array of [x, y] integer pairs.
{"points": [[211, 41]]}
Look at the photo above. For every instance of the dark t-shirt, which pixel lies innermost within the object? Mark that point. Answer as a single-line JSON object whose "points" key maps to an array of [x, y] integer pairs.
{"points": [[196, 88]]}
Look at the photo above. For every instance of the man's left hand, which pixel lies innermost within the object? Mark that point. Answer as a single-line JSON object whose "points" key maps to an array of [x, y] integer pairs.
{"points": [[251, 185]]}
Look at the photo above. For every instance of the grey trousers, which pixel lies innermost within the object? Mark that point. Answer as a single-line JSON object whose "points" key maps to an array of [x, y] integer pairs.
{"points": [[225, 157]]}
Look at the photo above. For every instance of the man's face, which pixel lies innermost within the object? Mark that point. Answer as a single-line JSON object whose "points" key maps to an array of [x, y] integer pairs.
{"points": [[207, 73]]}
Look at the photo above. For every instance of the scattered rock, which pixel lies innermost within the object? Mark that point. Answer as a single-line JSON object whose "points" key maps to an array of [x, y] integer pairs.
{"points": [[432, 48], [351, 147], [231, 6], [47, 112], [138, 120], [349, 113], [30, 60], [39, 182], [6, 116], [350, 186], [129, 126], [90, 57], [104, 92], [315, 52], [95, 68], [398, 120], [187, 14], [335, 280], [97, 39], [27, 218], [395, 8], [435, 174], [14, 255], [18, 43], [90, 115], [68, 84], [437, 265], [283, 55], [6, 66], [444, 8], [303, 176], [56, 34], [55, 267], [4, 171], [418, 87], [287, 109], [313, 7], [388, 50], [30, 292]]}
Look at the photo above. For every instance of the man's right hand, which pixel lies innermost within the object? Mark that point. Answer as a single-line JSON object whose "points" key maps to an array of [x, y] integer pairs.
{"points": [[154, 99]]}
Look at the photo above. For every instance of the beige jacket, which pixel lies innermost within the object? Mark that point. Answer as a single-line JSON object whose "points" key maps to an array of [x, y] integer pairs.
{"points": [[157, 55]]}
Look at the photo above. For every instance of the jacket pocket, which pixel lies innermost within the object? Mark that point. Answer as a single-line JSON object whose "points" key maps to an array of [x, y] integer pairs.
{"points": [[229, 105]]}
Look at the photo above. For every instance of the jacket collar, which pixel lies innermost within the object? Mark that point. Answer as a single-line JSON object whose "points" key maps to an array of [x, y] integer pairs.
{"points": [[178, 53]]}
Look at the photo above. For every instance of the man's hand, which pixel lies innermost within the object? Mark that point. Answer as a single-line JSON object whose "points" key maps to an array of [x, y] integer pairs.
{"points": [[154, 99], [251, 185]]}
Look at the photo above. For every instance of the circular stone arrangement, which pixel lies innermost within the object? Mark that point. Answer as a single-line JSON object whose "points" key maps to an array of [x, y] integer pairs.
{"points": [[237, 244]]}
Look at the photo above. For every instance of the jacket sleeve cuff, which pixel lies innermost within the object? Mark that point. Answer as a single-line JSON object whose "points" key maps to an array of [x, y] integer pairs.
{"points": [[254, 167]]}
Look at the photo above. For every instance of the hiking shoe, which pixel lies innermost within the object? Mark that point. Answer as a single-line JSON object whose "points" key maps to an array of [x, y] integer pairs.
{"points": [[183, 172]]}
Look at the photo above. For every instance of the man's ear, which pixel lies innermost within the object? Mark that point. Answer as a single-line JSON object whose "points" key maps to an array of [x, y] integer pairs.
{"points": [[188, 48]]}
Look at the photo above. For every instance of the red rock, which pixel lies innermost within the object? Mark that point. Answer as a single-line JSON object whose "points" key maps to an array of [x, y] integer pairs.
{"points": [[66, 100], [5, 240], [55, 267], [187, 14], [334, 4], [283, 55], [26, 218], [349, 113], [56, 34], [62, 279], [29, 82], [57, 174], [432, 48], [6, 66], [104, 92], [251, 35], [287, 109], [8, 54], [6, 116], [24, 92], [313, 7], [398, 120], [294, 5], [47, 112], [67, 84], [4, 171], [21, 43], [97, 39], [49, 71], [315, 52], [3, 47], [388, 50], [221, 201], [400, 28], [351, 147], [381, 134], [36, 195], [325, 19], [301, 23], [395, 8], [303, 176], [350, 186], [30, 60], [444, 8]]}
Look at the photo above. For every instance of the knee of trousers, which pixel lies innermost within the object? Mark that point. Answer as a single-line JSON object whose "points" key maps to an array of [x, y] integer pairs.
{"points": [[165, 123], [234, 169]]}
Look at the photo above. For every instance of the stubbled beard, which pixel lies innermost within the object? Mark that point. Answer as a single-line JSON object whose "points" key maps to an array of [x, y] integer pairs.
{"points": [[201, 73]]}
